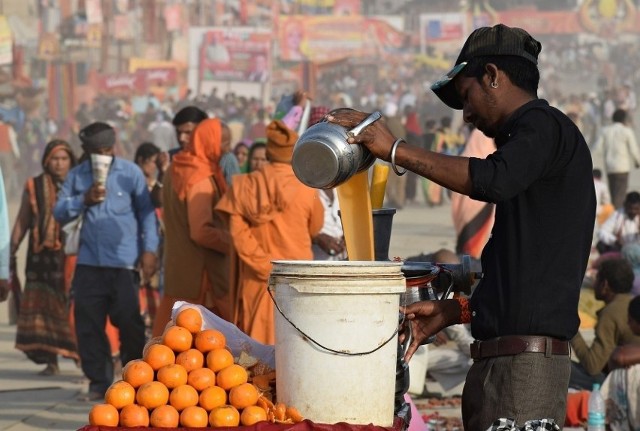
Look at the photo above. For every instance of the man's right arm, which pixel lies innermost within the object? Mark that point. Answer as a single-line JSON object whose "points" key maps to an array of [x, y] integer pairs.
{"points": [[68, 206]]}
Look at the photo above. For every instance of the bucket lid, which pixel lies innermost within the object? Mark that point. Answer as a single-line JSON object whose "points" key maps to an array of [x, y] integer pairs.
{"points": [[357, 276], [345, 267]]}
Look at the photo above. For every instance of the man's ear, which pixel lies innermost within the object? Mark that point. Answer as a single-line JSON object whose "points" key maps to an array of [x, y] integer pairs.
{"points": [[492, 73]]}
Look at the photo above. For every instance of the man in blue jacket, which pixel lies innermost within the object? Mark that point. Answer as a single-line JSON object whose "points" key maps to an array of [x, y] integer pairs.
{"points": [[118, 236]]}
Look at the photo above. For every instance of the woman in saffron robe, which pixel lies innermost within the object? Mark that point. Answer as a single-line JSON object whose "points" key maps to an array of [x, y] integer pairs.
{"points": [[272, 216]]}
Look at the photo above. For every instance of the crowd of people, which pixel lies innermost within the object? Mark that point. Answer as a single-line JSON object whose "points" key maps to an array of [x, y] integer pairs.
{"points": [[201, 196]]}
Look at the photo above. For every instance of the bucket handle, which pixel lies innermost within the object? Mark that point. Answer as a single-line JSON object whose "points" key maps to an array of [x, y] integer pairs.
{"points": [[308, 337]]}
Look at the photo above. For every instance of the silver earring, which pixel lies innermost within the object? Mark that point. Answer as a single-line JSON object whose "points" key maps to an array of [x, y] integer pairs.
{"points": [[494, 84]]}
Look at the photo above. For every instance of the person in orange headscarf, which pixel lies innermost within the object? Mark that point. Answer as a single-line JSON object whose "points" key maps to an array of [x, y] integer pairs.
{"points": [[473, 219], [196, 241], [272, 216], [44, 329]]}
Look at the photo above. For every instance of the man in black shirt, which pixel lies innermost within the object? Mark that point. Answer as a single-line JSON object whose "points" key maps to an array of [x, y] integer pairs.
{"points": [[525, 309]]}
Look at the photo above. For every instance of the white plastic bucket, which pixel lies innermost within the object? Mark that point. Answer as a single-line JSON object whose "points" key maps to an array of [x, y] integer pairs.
{"points": [[336, 338]]}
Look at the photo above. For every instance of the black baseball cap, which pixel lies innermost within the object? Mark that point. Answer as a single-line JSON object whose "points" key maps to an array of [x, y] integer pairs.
{"points": [[485, 41]]}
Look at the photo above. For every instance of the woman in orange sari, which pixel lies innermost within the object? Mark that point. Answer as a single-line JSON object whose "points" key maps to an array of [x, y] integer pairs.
{"points": [[473, 219], [196, 247]]}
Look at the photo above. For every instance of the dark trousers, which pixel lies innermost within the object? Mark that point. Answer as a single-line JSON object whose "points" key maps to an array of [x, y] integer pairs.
{"points": [[522, 387], [618, 184], [100, 292]]}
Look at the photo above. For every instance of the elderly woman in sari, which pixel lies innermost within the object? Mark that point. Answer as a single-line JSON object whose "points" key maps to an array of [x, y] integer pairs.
{"points": [[43, 326], [196, 241]]}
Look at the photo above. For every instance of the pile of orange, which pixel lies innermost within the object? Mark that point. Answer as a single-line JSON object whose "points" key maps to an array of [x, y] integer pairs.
{"points": [[187, 378]]}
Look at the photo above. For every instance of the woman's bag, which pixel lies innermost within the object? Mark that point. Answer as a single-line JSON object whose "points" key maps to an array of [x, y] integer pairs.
{"points": [[72, 235]]}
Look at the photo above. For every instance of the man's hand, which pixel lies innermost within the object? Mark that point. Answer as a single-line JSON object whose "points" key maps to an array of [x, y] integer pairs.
{"points": [[329, 244], [300, 98], [162, 162], [148, 265], [426, 319], [4, 290], [95, 195], [376, 137]]}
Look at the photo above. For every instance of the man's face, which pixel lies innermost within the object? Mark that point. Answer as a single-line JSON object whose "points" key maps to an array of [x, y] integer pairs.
{"points": [[184, 132], [479, 106], [598, 288], [632, 210]]}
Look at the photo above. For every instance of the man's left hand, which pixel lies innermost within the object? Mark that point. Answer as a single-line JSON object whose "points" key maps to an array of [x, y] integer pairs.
{"points": [[148, 264]]}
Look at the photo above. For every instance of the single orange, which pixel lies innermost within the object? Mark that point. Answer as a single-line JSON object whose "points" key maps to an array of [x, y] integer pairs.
{"points": [[177, 338], [172, 375], [243, 395], [201, 378], [231, 376], [217, 359], [137, 372], [134, 415], [194, 417], [190, 318], [190, 359], [212, 397], [164, 417], [120, 394], [224, 416], [152, 395], [104, 415], [159, 355], [252, 414], [183, 396], [209, 339], [151, 342]]}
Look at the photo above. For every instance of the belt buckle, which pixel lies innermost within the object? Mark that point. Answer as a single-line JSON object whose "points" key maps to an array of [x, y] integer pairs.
{"points": [[548, 347]]}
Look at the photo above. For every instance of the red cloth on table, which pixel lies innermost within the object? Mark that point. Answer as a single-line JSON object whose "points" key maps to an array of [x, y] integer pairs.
{"points": [[305, 425]]}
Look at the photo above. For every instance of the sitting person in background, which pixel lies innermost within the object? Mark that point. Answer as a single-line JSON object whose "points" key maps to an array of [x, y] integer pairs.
{"points": [[612, 285], [621, 227], [631, 252], [449, 357], [604, 207], [621, 389]]}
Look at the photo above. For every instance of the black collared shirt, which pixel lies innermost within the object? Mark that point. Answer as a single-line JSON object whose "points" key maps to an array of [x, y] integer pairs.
{"points": [[541, 180]]}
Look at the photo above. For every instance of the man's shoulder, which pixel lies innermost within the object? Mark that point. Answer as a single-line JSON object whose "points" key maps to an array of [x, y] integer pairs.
{"points": [[123, 164], [81, 168]]}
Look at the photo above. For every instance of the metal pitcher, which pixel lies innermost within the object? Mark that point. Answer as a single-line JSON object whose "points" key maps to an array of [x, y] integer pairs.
{"points": [[322, 157]]}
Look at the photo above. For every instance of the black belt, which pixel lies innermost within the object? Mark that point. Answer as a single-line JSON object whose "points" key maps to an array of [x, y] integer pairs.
{"points": [[510, 345]]}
